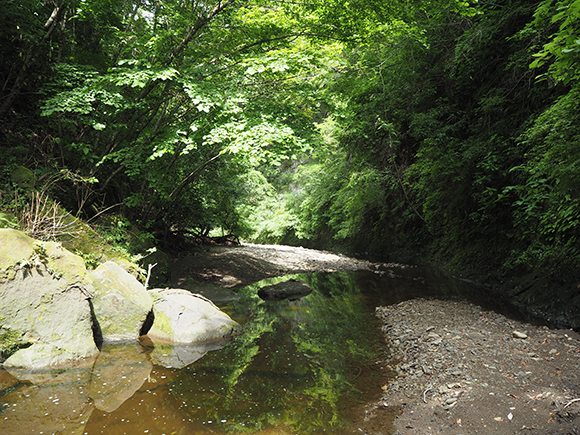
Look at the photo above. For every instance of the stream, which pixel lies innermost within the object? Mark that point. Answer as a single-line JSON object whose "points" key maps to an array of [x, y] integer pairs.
{"points": [[299, 367]]}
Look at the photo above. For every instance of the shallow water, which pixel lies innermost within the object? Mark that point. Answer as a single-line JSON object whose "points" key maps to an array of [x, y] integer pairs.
{"points": [[300, 367]]}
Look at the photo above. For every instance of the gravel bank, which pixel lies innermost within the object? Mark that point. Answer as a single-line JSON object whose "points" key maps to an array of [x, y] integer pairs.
{"points": [[462, 370]]}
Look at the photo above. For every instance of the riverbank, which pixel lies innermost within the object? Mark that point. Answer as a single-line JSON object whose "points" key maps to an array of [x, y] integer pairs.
{"points": [[458, 368], [463, 370]]}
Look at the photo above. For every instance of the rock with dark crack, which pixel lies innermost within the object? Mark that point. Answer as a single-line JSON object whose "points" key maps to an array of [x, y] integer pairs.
{"points": [[182, 317]]}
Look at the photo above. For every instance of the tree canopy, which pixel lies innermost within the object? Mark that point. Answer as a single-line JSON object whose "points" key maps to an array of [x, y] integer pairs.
{"points": [[444, 131]]}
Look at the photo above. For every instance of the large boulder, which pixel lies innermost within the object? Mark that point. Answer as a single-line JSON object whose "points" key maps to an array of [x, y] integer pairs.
{"points": [[121, 303], [44, 297], [182, 317]]}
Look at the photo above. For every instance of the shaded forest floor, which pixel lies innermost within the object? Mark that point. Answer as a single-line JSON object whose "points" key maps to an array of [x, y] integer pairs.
{"points": [[458, 369]]}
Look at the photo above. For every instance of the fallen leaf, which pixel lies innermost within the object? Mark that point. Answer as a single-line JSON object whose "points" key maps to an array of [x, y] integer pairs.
{"points": [[458, 421], [498, 419]]}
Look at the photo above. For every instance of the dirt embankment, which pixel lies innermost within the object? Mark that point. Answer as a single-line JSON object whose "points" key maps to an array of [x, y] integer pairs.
{"points": [[458, 368]]}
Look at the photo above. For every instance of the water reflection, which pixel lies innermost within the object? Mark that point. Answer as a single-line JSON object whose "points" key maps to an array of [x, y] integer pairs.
{"points": [[293, 368], [300, 367], [48, 402], [119, 371]]}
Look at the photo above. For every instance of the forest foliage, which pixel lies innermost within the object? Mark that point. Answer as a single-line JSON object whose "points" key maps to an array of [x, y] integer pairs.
{"points": [[444, 132]]}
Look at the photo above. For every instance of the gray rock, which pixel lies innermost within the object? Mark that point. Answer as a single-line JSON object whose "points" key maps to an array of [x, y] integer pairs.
{"points": [[121, 303], [182, 317], [291, 289], [44, 296]]}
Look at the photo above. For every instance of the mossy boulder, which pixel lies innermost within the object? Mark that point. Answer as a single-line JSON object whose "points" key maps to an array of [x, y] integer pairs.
{"points": [[86, 242], [16, 249], [182, 317], [44, 297], [121, 303], [62, 262], [23, 178]]}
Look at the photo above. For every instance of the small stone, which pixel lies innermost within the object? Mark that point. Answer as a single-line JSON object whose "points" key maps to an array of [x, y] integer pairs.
{"points": [[553, 351], [518, 334]]}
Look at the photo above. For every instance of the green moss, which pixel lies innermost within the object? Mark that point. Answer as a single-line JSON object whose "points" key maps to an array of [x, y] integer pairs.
{"points": [[163, 325], [8, 220], [16, 246], [86, 242], [23, 178], [10, 342]]}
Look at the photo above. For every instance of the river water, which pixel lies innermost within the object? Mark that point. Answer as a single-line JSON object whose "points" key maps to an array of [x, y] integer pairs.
{"points": [[299, 367]]}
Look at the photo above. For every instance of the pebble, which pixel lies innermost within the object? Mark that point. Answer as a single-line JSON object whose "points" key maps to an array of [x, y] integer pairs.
{"points": [[518, 334]]}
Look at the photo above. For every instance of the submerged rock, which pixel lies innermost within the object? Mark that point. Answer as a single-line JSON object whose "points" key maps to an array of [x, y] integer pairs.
{"points": [[121, 303], [182, 317], [291, 289]]}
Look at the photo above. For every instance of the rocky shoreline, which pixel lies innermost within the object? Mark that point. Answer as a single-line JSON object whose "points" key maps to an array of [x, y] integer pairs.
{"points": [[463, 370]]}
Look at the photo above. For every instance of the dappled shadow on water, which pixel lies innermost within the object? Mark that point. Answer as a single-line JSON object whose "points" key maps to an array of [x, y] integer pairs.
{"points": [[303, 367]]}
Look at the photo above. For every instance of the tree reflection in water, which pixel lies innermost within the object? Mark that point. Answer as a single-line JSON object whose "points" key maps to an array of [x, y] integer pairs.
{"points": [[294, 364]]}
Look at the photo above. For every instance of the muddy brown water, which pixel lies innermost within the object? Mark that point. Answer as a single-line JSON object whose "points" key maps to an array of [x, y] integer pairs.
{"points": [[310, 366]]}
